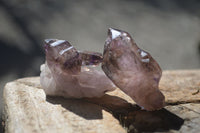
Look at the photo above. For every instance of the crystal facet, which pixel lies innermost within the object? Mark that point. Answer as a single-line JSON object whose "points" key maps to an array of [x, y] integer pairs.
{"points": [[132, 69], [66, 72]]}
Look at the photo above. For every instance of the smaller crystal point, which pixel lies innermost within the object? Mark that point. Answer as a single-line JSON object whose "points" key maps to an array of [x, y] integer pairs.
{"points": [[91, 58], [132, 69]]}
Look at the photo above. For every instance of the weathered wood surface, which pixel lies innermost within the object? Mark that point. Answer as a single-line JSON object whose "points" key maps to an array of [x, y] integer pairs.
{"points": [[27, 109]]}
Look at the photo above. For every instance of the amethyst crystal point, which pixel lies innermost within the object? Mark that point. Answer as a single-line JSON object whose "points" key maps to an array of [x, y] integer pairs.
{"points": [[133, 70], [64, 75], [91, 58]]}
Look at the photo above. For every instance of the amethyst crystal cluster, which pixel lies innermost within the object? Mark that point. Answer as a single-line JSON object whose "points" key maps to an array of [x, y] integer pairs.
{"points": [[71, 73], [68, 72]]}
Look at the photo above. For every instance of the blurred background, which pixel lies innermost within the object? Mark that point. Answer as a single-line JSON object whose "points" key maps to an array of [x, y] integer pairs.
{"points": [[168, 29]]}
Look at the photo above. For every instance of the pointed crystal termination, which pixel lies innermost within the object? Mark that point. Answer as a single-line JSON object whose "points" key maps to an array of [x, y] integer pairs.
{"points": [[132, 69], [63, 54], [91, 58], [64, 75]]}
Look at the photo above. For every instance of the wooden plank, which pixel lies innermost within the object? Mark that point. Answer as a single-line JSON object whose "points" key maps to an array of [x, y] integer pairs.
{"points": [[27, 109]]}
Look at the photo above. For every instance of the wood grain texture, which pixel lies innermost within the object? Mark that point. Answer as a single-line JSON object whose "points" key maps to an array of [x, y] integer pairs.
{"points": [[28, 109], [181, 86]]}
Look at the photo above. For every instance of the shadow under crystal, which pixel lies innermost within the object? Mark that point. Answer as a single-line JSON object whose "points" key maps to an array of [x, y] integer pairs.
{"points": [[130, 116]]}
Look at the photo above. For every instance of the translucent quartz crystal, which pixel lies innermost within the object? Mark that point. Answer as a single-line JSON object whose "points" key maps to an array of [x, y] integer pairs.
{"points": [[132, 69], [91, 58], [66, 72]]}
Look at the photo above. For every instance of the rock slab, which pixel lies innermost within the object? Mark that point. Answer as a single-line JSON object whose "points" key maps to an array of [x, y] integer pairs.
{"points": [[28, 109]]}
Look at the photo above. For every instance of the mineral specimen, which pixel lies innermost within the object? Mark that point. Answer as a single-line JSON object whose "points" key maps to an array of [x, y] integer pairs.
{"points": [[132, 69], [67, 72]]}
